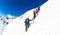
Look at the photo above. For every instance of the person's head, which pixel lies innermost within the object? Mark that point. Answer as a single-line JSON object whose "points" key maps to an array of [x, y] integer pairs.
{"points": [[39, 8], [27, 18]]}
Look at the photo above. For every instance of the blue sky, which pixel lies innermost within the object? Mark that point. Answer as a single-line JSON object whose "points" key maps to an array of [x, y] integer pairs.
{"points": [[18, 7]]}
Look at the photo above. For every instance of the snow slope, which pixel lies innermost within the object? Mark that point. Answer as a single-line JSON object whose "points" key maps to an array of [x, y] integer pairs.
{"points": [[18, 24], [46, 23]]}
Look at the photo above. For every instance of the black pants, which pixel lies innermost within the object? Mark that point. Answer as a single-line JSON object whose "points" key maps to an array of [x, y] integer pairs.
{"points": [[27, 25], [34, 16]]}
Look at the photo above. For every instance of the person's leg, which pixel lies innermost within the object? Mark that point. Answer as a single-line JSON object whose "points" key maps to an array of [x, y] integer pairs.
{"points": [[26, 27], [34, 16]]}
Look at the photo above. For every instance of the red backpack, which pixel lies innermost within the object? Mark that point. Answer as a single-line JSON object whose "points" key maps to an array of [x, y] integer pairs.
{"points": [[35, 12]]}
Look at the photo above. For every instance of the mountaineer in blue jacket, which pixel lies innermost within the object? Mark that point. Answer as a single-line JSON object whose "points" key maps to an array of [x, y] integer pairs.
{"points": [[27, 23]]}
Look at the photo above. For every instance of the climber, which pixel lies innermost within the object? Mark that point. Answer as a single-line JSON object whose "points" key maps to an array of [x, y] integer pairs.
{"points": [[27, 23], [35, 12]]}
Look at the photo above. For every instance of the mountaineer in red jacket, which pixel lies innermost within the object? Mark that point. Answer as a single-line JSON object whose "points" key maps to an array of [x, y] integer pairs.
{"points": [[35, 12]]}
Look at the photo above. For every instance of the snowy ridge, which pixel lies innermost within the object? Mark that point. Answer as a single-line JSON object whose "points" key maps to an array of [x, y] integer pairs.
{"points": [[18, 26], [46, 23]]}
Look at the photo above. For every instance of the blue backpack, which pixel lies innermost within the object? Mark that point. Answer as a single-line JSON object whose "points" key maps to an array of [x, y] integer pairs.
{"points": [[25, 21]]}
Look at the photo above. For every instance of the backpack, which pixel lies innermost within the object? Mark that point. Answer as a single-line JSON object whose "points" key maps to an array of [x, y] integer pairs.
{"points": [[25, 21]]}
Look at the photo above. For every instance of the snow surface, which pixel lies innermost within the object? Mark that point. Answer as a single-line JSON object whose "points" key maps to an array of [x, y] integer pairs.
{"points": [[46, 23]]}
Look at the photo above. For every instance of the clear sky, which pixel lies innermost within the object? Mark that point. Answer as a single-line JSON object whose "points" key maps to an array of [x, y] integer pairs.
{"points": [[18, 7]]}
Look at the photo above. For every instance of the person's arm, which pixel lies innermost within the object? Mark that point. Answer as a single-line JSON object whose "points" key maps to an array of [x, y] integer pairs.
{"points": [[30, 20]]}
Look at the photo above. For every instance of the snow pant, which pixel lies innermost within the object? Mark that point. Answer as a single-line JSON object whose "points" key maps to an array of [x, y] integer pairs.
{"points": [[34, 16], [27, 26]]}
